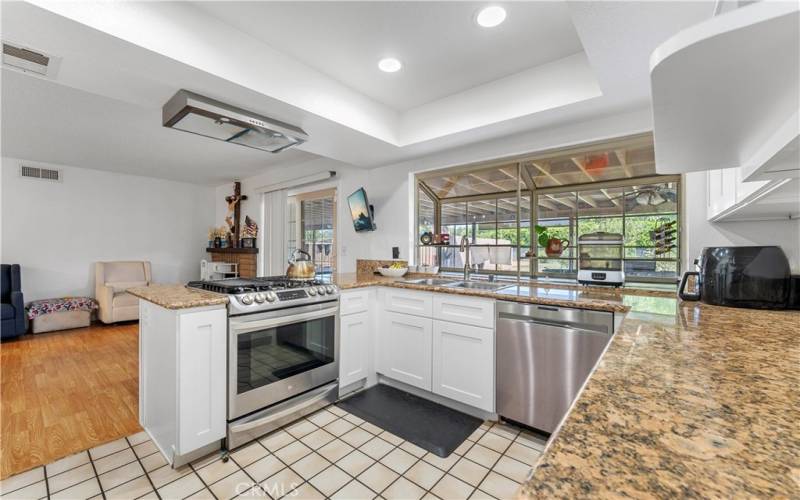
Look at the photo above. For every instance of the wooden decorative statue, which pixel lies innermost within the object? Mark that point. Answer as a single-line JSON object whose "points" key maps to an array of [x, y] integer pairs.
{"points": [[234, 212]]}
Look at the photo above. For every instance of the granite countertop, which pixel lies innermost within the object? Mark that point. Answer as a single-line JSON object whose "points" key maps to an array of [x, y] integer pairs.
{"points": [[178, 296], [557, 294], [702, 401]]}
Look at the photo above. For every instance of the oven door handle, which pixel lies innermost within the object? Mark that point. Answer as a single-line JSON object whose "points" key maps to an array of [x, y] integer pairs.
{"points": [[322, 394], [239, 327]]}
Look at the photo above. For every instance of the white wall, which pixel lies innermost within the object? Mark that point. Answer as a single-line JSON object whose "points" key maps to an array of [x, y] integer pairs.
{"points": [[699, 232], [350, 245], [57, 230]]}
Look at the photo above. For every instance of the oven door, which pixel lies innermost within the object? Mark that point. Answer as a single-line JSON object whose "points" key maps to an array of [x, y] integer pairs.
{"points": [[275, 355]]}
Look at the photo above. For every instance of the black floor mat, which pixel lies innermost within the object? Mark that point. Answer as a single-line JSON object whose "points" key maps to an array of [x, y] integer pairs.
{"points": [[424, 423]]}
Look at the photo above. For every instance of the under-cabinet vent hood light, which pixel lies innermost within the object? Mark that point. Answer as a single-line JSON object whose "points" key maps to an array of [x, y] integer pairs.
{"points": [[200, 115], [31, 61]]}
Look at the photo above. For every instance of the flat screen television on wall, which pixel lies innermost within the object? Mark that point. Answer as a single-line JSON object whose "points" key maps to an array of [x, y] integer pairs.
{"points": [[361, 211]]}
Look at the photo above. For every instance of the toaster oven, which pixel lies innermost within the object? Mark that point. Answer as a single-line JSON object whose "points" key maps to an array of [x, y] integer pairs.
{"points": [[600, 259]]}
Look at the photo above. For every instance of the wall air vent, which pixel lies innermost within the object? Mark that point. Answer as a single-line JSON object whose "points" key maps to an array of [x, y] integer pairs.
{"points": [[47, 174], [28, 60]]}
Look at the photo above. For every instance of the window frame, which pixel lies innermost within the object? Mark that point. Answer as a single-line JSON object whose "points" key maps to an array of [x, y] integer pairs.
{"points": [[534, 195]]}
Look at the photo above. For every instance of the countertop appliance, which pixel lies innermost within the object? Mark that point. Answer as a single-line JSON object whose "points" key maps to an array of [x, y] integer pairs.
{"points": [[755, 277], [544, 356], [600, 259], [283, 351], [218, 270]]}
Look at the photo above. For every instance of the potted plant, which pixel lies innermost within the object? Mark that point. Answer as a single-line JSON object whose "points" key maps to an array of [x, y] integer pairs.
{"points": [[212, 236], [553, 246]]}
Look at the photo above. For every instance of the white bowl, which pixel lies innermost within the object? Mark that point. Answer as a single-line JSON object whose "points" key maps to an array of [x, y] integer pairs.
{"points": [[392, 272]]}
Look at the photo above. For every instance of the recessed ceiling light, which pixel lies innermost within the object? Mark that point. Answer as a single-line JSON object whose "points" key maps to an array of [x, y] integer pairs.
{"points": [[389, 65], [490, 17]]}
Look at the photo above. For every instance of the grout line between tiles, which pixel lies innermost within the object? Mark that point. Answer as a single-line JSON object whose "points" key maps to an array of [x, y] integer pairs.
{"points": [[81, 482], [256, 484], [147, 475], [378, 461], [333, 464], [202, 481], [65, 470], [46, 482], [96, 476]]}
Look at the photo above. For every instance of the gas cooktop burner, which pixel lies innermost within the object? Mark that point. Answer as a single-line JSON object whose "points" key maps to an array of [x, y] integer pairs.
{"points": [[261, 284], [249, 295]]}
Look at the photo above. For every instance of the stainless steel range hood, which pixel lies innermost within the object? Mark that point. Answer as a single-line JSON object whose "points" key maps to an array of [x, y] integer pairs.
{"points": [[200, 115]]}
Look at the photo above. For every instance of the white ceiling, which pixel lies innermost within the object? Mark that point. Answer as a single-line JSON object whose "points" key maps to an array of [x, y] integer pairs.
{"points": [[442, 49], [47, 122], [123, 60]]}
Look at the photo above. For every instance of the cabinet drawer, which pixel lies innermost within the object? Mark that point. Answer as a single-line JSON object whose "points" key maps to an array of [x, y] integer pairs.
{"points": [[472, 311], [409, 302], [353, 301]]}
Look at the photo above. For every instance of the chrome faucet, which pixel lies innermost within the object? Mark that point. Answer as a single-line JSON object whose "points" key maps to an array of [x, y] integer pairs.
{"points": [[464, 247]]}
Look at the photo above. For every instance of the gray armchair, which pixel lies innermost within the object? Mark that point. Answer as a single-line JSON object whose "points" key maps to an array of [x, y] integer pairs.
{"points": [[112, 280]]}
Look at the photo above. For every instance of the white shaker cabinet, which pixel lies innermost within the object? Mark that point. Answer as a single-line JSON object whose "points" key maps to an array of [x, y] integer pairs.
{"points": [[355, 301], [354, 342], [408, 302], [404, 349], [463, 363], [475, 311], [183, 378]]}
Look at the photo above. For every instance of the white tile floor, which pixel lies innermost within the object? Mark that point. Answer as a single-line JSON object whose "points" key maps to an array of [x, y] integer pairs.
{"points": [[330, 454]]}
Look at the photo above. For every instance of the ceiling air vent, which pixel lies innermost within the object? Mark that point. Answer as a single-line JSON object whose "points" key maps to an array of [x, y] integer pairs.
{"points": [[47, 174], [29, 60]]}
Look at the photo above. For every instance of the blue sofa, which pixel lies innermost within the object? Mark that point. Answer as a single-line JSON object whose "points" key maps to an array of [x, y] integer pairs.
{"points": [[13, 306]]}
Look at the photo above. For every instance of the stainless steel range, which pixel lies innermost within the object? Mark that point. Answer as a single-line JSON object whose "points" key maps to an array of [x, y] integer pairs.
{"points": [[283, 351]]}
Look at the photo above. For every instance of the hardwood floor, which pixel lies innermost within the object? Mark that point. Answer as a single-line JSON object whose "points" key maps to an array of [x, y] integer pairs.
{"points": [[66, 391]]}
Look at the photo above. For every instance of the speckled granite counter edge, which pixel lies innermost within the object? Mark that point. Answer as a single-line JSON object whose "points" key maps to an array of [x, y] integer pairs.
{"points": [[593, 304], [173, 296]]}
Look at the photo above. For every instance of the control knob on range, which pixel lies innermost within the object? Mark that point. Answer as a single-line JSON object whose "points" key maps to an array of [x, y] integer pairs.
{"points": [[330, 289], [247, 299], [312, 291], [259, 297], [321, 290], [271, 296]]}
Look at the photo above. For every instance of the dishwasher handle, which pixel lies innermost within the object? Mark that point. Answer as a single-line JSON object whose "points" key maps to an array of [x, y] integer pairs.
{"points": [[573, 327]]}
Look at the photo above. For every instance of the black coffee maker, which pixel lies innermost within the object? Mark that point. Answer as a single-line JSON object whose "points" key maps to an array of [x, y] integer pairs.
{"points": [[755, 277]]}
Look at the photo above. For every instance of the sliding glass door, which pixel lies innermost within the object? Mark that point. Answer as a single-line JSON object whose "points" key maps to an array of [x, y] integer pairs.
{"points": [[312, 228]]}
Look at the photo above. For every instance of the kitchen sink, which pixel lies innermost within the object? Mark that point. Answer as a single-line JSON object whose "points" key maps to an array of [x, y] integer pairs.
{"points": [[478, 285], [430, 281]]}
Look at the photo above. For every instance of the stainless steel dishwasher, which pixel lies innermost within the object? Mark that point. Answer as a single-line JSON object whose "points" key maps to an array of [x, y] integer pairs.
{"points": [[544, 355]]}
